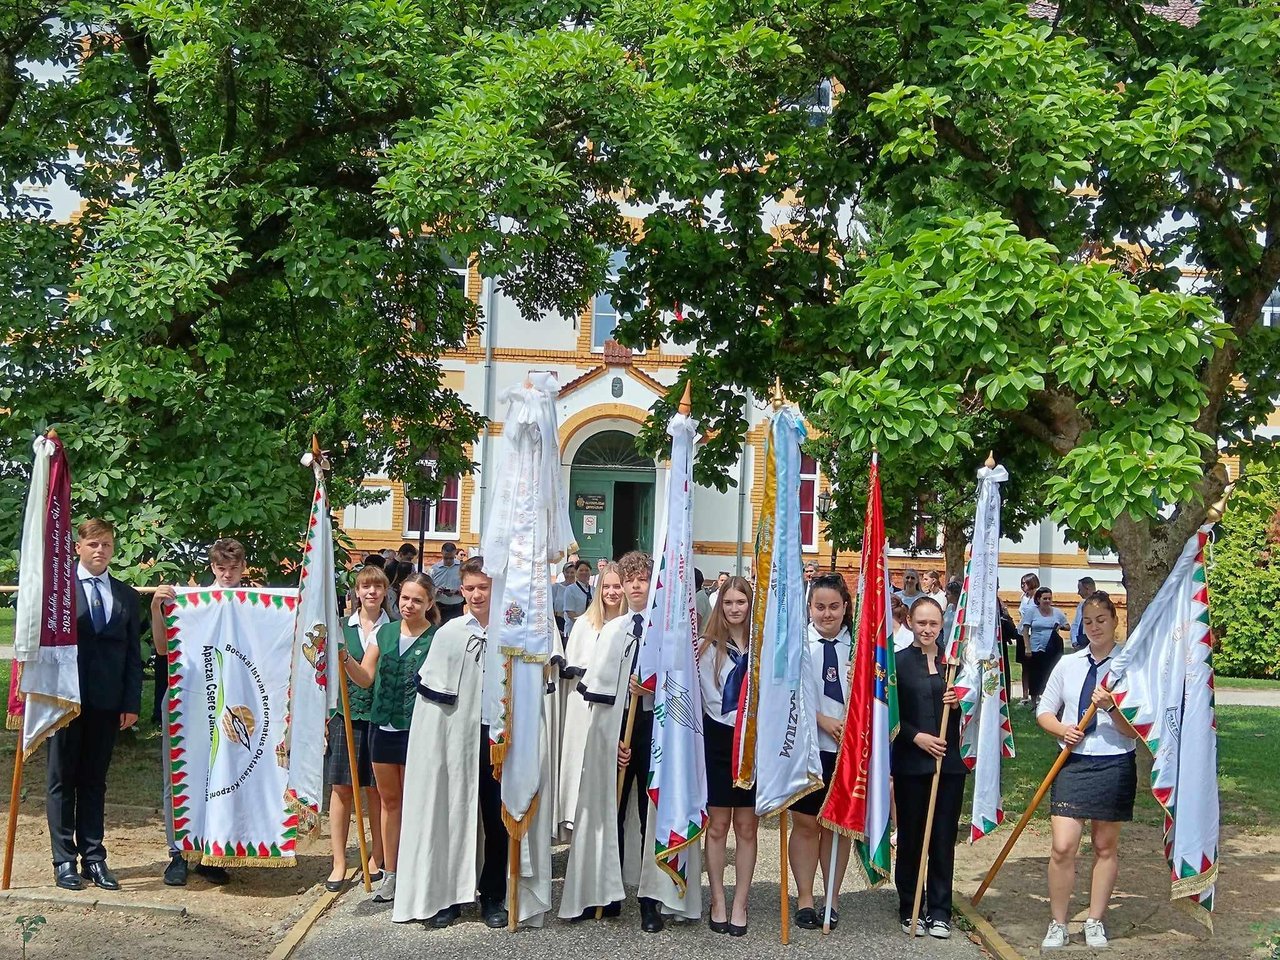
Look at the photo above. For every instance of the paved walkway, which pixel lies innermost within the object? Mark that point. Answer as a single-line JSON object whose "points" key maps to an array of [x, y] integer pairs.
{"points": [[358, 929]]}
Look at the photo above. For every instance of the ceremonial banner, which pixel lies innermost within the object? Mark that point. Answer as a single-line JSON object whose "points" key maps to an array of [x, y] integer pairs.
{"points": [[313, 696], [986, 736], [776, 744], [1163, 683], [857, 804], [44, 688], [668, 666], [528, 530], [229, 659]]}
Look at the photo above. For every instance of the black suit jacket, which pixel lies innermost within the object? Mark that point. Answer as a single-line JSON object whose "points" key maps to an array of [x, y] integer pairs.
{"points": [[920, 711], [110, 663]]}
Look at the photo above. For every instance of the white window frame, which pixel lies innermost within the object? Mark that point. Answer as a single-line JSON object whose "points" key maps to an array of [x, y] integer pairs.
{"points": [[597, 344], [432, 531], [816, 477], [382, 509], [1271, 310]]}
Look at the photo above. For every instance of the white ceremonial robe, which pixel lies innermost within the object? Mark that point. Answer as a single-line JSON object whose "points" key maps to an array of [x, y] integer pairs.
{"points": [[574, 715], [535, 847], [593, 877], [441, 827]]}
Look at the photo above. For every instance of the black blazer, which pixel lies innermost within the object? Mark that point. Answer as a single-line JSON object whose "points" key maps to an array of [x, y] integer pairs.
{"points": [[920, 710], [110, 662]]}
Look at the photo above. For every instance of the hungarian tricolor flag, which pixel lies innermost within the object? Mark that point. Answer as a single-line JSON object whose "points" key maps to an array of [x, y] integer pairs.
{"points": [[1163, 683], [986, 736], [44, 688], [313, 691], [857, 804]]}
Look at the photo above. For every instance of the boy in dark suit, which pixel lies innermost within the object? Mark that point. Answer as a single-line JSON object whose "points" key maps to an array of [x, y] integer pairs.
{"points": [[110, 668]]}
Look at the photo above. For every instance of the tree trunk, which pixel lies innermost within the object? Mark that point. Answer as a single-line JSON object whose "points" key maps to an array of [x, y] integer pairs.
{"points": [[1148, 550], [953, 547]]}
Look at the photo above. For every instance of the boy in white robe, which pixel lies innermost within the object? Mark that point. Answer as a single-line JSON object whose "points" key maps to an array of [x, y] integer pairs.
{"points": [[449, 783]]}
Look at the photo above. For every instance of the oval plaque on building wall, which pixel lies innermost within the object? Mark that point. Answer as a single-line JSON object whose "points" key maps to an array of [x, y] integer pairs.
{"points": [[617, 387]]}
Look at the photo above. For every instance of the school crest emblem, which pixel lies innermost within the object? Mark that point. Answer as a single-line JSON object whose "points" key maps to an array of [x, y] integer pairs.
{"points": [[514, 616]]}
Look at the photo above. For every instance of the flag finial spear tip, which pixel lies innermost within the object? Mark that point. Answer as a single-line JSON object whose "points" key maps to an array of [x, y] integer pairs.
{"points": [[315, 446], [991, 460], [776, 396], [686, 399], [1218, 509]]}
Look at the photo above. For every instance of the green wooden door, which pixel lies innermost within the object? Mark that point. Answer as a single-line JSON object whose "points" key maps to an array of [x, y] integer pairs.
{"points": [[611, 497], [591, 513]]}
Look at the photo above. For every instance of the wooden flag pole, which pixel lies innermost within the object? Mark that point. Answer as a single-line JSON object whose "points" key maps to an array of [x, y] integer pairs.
{"points": [[831, 892], [785, 883], [356, 789], [1031, 809], [15, 793], [933, 803]]}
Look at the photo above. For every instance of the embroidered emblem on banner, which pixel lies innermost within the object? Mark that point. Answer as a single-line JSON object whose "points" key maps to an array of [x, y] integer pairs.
{"points": [[514, 615]]}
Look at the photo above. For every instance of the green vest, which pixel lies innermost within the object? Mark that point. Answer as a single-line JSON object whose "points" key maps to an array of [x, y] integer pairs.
{"points": [[361, 697], [396, 684]]}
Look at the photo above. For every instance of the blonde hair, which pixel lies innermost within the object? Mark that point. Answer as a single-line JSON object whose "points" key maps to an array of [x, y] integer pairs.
{"points": [[596, 614], [716, 631], [372, 575]]}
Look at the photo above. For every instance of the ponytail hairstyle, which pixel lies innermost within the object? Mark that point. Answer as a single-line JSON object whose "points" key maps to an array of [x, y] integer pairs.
{"points": [[596, 614], [715, 633], [421, 579], [1102, 599], [833, 581]]}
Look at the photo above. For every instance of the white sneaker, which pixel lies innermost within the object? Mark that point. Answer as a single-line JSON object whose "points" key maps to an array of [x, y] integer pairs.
{"points": [[940, 929], [387, 891], [1056, 938], [1095, 934]]}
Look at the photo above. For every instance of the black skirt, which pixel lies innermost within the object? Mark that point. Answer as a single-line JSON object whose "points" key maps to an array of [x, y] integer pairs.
{"points": [[1096, 788], [811, 803], [337, 767], [388, 746], [717, 740]]}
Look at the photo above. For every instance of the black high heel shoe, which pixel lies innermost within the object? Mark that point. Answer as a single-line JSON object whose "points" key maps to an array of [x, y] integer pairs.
{"points": [[719, 926], [735, 930]]}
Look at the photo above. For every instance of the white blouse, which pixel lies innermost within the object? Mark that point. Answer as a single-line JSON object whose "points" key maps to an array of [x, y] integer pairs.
{"points": [[1061, 698], [822, 704], [712, 683]]}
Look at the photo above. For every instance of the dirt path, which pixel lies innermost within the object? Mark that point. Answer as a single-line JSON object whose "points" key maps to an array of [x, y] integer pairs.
{"points": [[244, 919], [1142, 923]]}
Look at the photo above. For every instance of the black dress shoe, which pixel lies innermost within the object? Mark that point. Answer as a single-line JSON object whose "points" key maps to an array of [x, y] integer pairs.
{"points": [[64, 875], [334, 886], [175, 874], [736, 930], [718, 926], [612, 910], [807, 919], [445, 917], [650, 917], [100, 875], [494, 913]]}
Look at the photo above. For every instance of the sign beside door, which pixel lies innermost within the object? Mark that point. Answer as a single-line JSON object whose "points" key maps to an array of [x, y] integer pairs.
{"points": [[591, 502], [589, 524]]}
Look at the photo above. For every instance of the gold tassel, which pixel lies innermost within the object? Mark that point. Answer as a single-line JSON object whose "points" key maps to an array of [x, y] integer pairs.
{"points": [[516, 829]]}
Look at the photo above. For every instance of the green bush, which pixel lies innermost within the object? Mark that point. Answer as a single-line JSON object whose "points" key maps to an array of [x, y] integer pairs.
{"points": [[1244, 584]]}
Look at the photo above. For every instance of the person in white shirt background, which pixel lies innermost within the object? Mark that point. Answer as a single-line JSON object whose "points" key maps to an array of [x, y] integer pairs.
{"points": [[931, 584], [1099, 781], [557, 597], [577, 594], [720, 582], [1030, 583], [1044, 645], [910, 591], [1086, 588], [447, 576]]}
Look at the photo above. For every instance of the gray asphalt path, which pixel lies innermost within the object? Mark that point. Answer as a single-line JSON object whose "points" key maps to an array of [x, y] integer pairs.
{"points": [[355, 928]]}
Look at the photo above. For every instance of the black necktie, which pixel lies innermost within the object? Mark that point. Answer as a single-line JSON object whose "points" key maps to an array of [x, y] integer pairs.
{"points": [[732, 693], [831, 687], [1086, 691], [637, 628]]}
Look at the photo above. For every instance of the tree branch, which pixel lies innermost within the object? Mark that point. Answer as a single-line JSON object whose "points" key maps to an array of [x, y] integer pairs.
{"points": [[138, 47], [306, 134], [1018, 202], [231, 100]]}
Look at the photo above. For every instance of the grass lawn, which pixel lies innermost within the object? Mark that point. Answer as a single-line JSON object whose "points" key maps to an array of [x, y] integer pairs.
{"points": [[6, 624], [1245, 683], [135, 776], [1248, 758]]}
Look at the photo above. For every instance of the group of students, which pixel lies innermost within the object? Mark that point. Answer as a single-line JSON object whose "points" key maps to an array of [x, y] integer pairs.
{"points": [[420, 719]]}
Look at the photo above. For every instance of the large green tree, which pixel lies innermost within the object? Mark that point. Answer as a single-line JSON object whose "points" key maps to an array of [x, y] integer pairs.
{"points": [[1049, 180]]}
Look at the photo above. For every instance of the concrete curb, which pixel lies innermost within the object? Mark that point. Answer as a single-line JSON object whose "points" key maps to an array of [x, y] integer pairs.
{"points": [[284, 949], [93, 903], [989, 935]]}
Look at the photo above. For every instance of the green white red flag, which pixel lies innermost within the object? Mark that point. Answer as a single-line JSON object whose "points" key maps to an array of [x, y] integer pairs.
{"points": [[1163, 683], [986, 736], [857, 804]]}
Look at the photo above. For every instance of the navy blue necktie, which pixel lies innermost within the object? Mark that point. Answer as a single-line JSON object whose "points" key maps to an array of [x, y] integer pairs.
{"points": [[97, 610], [831, 687], [1086, 691], [637, 629], [732, 693]]}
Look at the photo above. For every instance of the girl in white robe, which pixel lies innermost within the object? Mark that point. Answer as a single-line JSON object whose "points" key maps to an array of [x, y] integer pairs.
{"points": [[606, 605]]}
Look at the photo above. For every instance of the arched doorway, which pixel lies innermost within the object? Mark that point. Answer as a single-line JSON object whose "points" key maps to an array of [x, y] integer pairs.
{"points": [[611, 497]]}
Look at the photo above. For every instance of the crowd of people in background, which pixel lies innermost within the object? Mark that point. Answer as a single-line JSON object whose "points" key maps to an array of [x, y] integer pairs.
{"points": [[418, 721]]}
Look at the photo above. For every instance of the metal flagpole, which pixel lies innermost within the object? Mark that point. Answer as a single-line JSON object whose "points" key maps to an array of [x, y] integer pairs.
{"points": [[784, 884]]}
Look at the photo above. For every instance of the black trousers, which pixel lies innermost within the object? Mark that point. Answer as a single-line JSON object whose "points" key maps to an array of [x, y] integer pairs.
{"points": [[637, 776], [493, 874], [911, 795], [79, 755]]}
